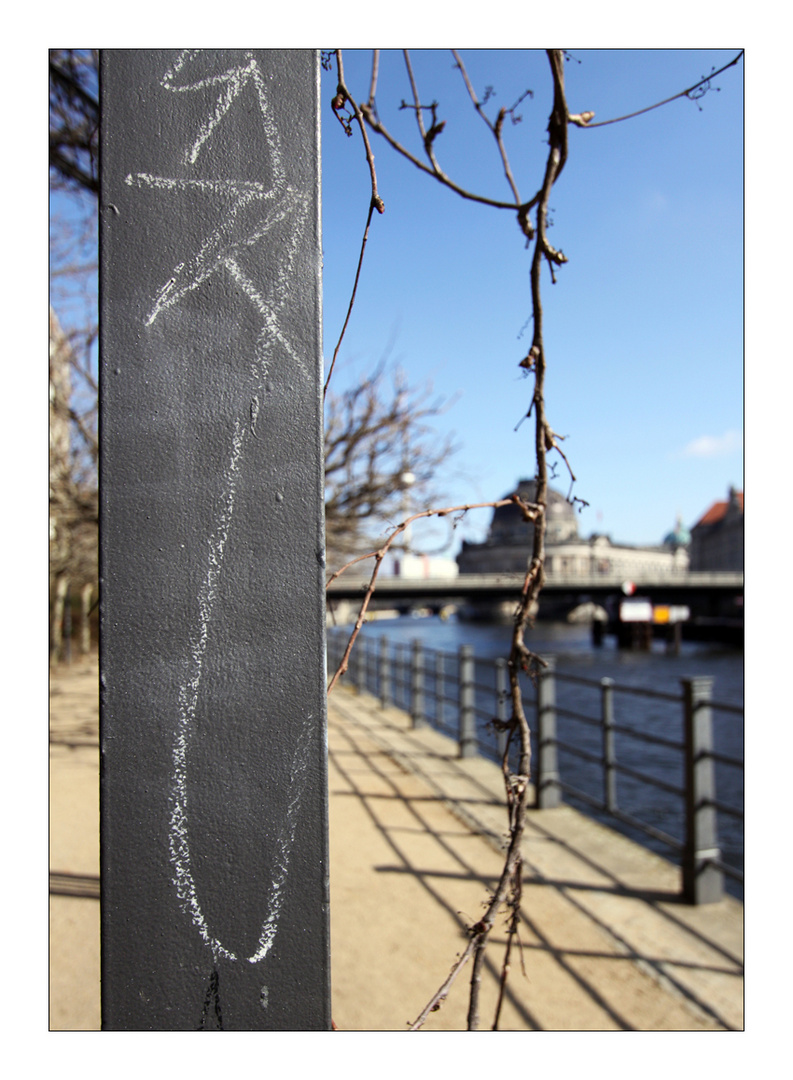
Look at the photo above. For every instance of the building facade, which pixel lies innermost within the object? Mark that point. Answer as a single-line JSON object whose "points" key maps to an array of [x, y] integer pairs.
{"points": [[507, 547], [717, 538]]}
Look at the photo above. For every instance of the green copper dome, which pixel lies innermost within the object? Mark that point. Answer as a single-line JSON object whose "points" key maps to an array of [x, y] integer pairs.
{"points": [[679, 537]]}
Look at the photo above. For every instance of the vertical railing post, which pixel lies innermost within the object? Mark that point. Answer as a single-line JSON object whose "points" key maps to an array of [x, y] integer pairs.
{"points": [[467, 715], [501, 705], [439, 689], [703, 883], [359, 664], [548, 790], [402, 678], [417, 684], [609, 756], [385, 673]]}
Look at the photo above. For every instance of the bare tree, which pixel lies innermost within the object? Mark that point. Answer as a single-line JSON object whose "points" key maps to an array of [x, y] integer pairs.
{"points": [[379, 445], [74, 119], [74, 186], [73, 502]]}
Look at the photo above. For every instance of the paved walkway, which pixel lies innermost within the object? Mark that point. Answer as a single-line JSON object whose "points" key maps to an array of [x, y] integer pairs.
{"points": [[414, 843], [74, 847], [606, 944]]}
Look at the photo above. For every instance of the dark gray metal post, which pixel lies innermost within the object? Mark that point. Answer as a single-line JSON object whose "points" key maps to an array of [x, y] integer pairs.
{"points": [[214, 857], [402, 675], [385, 673], [703, 883], [549, 793], [417, 684], [359, 660], [439, 689], [467, 717], [609, 756]]}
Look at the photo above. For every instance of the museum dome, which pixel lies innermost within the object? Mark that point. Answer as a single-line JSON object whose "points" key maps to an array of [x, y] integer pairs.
{"points": [[679, 536], [509, 527]]}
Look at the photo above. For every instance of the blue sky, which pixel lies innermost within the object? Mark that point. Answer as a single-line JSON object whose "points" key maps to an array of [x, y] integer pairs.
{"points": [[644, 327]]}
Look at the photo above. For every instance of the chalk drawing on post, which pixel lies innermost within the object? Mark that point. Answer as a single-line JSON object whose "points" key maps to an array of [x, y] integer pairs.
{"points": [[251, 212]]}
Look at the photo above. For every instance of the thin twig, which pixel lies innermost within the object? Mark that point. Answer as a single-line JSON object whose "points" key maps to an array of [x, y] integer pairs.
{"points": [[376, 203], [438, 174], [494, 128], [343, 95], [521, 659], [683, 93], [352, 298], [512, 931], [380, 554], [418, 109], [373, 80]]}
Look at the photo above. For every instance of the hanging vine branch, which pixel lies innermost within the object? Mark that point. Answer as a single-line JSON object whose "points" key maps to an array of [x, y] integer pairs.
{"points": [[522, 661], [341, 102]]}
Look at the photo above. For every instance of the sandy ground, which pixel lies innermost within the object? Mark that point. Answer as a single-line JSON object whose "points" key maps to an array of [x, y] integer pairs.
{"points": [[74, 845]]}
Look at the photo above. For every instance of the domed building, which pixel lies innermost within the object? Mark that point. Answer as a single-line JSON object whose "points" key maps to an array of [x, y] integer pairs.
{"points": [[508, 544], [509, 527], [679, 537]]}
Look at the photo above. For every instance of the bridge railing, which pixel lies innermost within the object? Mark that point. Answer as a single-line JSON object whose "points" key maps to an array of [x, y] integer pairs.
{"points": [[511, 583], [662, 772]]}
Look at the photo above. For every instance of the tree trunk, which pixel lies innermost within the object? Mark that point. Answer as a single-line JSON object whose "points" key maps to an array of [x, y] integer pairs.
{"points": [[56, 644], [85, 626]]}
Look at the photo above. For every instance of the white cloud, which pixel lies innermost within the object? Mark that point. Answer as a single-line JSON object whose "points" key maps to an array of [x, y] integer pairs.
{"points": [[711, 446]]}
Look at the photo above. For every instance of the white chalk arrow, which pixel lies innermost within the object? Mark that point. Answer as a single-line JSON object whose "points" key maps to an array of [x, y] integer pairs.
{"points": [[231, 84]]}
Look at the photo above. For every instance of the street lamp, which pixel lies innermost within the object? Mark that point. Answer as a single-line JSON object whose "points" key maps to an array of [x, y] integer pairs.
{"points": [[406, 481]]}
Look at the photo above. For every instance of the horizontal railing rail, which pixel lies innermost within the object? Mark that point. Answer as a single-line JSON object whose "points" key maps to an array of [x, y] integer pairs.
{"points": [[467, 698]]}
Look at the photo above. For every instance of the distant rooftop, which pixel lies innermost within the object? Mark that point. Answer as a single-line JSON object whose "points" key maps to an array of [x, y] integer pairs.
{"points": [[719, 509]]}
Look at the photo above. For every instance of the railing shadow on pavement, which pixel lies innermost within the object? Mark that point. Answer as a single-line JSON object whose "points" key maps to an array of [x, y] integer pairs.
{"points": [[566, 890], [460, 696]]}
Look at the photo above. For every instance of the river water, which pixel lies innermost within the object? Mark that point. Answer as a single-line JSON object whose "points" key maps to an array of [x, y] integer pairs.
{"points": [[575, 655]]}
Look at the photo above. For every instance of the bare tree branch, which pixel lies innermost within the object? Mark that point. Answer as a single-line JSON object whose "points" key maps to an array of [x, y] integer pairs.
{"points": [[583, 119], [376, 203], [369, 115], [343, 97], [378, 557], [496, 128], [352, 297], [74, 118]]}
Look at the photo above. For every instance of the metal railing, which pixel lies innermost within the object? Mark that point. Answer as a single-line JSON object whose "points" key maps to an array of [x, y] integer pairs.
{"points": [[583, 753]]}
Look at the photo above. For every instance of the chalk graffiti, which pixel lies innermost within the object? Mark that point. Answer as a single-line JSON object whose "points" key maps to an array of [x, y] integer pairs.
{"points": [[250, 212]]}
